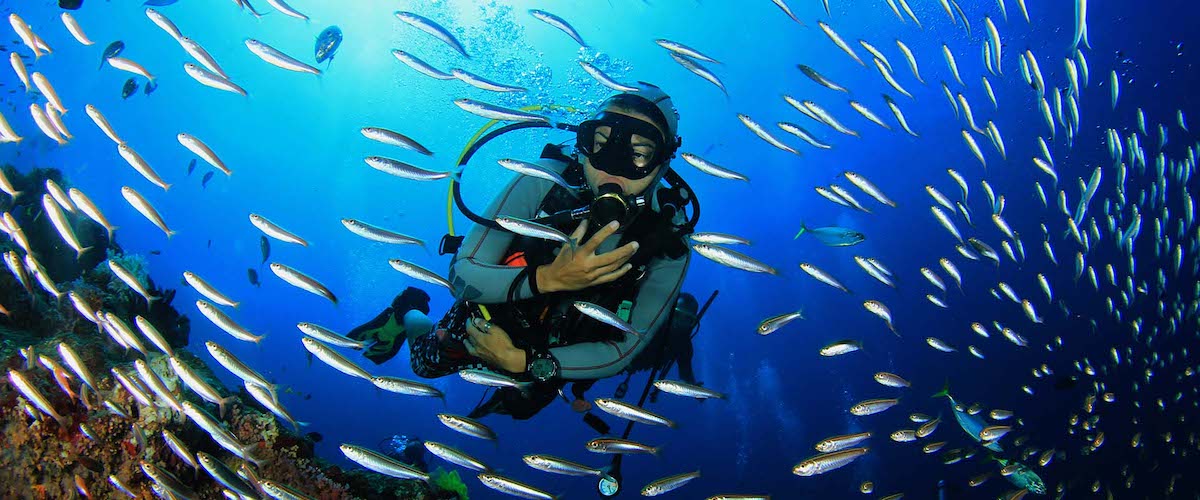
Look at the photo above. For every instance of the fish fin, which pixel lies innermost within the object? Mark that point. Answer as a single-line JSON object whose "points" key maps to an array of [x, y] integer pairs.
{"points": [[944, 392], [803, 229], [170, 234], [79, 254], [221, 405], [110, 232]]}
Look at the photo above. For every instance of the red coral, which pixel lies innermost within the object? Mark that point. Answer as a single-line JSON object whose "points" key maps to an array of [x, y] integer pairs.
{"points": [[130, 448]]}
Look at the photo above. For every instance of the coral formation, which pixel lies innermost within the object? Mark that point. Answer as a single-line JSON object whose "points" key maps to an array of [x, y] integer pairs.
{"points": [[60, 438]]}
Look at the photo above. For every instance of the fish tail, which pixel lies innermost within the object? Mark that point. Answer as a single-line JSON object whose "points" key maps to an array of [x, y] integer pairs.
{"points": [[170, 234], [803, 229], [221, 405], [79, 254], [945, 392]]}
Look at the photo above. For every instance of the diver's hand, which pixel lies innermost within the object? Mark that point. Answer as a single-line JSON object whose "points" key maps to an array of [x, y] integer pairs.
{"points": [[493, 345], [582, 267]]}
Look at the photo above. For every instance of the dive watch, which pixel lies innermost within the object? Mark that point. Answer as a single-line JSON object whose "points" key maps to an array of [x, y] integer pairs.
{"points": [[541, 365]]}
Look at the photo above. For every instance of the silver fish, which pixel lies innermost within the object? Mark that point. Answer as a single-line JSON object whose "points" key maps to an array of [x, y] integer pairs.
{"points": [[709, 167], [237, 367], [940, 344], [803, 134], [493, 112], [225, 323], [877, 308], [556, 465], [468, 426], [822, 276], [130, 280], [329, 336], [404, 170], [559, 23], [512, 487], [302, 281], [208, 290], [379, 234], [76, 364], [686, 390], [279, 59], [700, 71], [480, 82], [147, 328], [621, 409], [179, 448], [408, 387], [912, 60], [604, 79], [418, 272], [684, 50], [538, 171], [273, 230], [432, 28], [202, 56], [58, 218], [203, 151], [868, 187], [420, 66], [534, 230], [143, 206], [456, 456], [199, 385], [138, 163], [91, 210], [821, 464], [381, 463], [334, 359], [732, 258], [211, 79], [669, 483], [394, 139], [837, 40], [770, 325], [605, 316], [718, 238], [868, 114], [899, 115], [820, 79], [491, 379], [264, 398], [35, 396]]}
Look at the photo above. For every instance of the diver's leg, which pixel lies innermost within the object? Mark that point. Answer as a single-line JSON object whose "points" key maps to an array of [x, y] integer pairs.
{"points": [[416, 324], [683, 362]]}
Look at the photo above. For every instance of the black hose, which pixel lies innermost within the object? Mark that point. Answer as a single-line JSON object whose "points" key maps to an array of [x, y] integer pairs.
{"points": [[466, 157]]}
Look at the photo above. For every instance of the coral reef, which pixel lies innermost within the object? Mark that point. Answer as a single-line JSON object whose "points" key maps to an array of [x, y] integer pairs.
{"points": [[61, 439]]}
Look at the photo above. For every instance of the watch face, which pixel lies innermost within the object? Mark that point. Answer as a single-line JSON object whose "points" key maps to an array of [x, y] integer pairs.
{"points": [[608, 486], [542, 368]]}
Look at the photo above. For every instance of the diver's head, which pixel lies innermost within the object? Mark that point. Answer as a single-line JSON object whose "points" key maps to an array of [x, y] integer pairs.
{"points": [[629, 142], [686, 309]]}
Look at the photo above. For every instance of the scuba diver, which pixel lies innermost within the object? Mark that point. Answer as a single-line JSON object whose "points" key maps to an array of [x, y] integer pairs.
{"points": [[515, 296]]}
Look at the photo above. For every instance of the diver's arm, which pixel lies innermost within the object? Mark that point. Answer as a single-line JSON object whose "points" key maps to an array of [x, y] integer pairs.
{"points": [[655, 298], [476, 271]]}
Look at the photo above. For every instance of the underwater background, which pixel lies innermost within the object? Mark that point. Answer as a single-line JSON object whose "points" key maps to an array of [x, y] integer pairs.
{"points": [[296, 154]]}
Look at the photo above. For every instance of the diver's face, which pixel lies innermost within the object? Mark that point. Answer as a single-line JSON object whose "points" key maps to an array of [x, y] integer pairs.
{"points": [[643, 152]]}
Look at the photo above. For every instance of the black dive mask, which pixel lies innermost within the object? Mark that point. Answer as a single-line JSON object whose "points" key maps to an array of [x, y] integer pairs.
{"points": [[619, 154]]}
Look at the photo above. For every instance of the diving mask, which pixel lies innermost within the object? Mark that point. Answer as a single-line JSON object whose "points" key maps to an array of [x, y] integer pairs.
{"points": [[623, 146]]}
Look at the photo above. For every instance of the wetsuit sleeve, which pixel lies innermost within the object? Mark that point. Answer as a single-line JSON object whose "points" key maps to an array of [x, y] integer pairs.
{"points": [[477, 272], [655, 298]]}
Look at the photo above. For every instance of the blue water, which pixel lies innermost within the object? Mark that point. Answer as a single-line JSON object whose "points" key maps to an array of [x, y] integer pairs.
{"points": [[296, 153]]}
